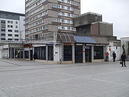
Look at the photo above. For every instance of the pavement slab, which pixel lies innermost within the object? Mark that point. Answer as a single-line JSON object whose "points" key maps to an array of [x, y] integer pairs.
{"points": [[35, 79]]}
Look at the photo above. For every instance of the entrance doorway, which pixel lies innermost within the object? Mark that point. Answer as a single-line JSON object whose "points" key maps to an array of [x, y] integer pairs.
{"points": [[88, 54], [50, 53], [40, 53], [26, 54], [31, 54], [78, 54], [67, 53]]}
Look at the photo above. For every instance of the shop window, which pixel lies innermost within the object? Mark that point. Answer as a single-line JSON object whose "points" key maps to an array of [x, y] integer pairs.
{"points": [[67, 53], [50, 53], [98, 52], [78, 54], [40, 53], [26, 54]]}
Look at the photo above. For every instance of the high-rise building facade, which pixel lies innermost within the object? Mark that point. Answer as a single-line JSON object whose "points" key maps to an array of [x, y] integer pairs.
{"points": [[12, 26], [44, 16]]}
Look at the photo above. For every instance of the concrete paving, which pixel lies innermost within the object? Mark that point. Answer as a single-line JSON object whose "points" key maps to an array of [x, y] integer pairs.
{"points": [[34, 79]]}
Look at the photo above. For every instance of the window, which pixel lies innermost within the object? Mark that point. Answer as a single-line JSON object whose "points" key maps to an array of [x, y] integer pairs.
{"points": [[2, 30], [3, 21], [16, 39], [9, 38], [16, 26], [50, 53], [9, 34], [2, 34], [98, 52], [16, 35], [55, 6], [36, 36], [10, 26], [67, 53], [40, 53], [16, 31], [9, 30], [2, 38], [10, 22], [79, 54]]}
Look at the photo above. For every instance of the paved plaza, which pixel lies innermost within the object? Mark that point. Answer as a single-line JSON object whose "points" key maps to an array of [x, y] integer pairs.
{"points": [[36, 79]]}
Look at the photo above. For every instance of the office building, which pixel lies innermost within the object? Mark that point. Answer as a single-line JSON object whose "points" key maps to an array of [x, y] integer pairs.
{"points": [[12, 30], [11, 26]]}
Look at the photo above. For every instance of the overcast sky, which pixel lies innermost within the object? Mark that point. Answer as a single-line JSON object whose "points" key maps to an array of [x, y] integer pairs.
{"points": [[113, 11]]}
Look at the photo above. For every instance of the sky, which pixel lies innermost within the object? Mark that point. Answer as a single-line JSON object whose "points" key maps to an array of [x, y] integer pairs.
{"points": [[113, 11]]}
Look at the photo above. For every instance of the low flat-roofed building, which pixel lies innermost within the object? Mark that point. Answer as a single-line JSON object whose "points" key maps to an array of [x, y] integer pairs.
{"points": [[86, 19], [102, 28]]}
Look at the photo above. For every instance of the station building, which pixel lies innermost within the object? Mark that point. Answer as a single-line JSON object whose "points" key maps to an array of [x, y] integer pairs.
{"points": [[89, 43], [57, 33]]}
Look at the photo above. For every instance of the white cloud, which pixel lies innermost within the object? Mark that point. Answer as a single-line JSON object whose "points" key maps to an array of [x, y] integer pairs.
{"points": [[114, 11], [13, 5]]}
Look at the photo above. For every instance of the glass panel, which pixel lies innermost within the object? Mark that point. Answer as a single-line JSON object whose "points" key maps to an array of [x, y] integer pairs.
{"points": [[68, 53], [78, 54], [98, 52], [50, 53]]}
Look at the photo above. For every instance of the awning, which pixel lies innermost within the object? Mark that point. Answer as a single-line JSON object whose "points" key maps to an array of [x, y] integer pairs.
{"points": [[84, 39], [71, 38], [65, 38]]}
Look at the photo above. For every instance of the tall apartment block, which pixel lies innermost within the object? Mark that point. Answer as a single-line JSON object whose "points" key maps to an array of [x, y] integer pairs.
{"points": [[48, 16], [11, 26]]}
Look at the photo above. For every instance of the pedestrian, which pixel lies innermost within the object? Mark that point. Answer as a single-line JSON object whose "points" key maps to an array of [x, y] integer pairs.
{"points": [[123, 58], [106, 56], [60, 60], [114, 56]]}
